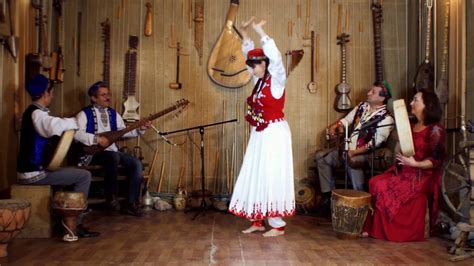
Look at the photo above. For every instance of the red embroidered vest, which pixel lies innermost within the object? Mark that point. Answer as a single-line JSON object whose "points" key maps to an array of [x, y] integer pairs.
{"points": [[262, 107]]}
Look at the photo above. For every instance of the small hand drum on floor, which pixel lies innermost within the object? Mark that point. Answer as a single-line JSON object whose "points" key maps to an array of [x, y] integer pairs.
{"points": [[349, 209], [69, 205], [14, 213]]}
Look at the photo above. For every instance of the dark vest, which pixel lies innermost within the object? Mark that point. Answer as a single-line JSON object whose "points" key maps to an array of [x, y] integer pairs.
{"points": [[91, 126], [33, 147]]}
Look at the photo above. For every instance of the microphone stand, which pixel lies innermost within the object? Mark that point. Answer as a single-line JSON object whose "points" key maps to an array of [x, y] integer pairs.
{"points": [[203, 207]]}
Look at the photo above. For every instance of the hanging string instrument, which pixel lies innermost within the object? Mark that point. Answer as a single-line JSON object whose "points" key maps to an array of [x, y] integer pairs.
{"points": [[177, 85], [113, 136], [38, 60], [130, 105], [56, 72], [424, 78], [377, 19], [343, 103], [226, 65], [442, 90], [312, 84], [106, 62]]}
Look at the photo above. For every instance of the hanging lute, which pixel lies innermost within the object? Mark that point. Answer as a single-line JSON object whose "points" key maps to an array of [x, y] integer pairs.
{"points": [[113, 136], [35, 62], [343, 103], [442, 90], [56, 72], [226, 65], [377, 23], [106, 62], [424, 78], [130, 105]]}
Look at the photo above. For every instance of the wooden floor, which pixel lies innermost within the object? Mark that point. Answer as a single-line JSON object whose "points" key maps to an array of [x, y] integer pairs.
{"points": [[172, 238]]}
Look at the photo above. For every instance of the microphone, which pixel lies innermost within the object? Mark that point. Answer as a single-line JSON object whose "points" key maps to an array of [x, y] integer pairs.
{"points": [[162, 135], [372, 123]]}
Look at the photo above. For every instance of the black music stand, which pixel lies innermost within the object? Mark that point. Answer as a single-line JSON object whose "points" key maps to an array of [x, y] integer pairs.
{"points": [[203, 207]]}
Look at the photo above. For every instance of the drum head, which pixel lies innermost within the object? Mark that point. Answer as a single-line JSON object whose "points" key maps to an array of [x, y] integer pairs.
{"points": [[403, 128], [305, 196], [69, 200], [61, 150]]}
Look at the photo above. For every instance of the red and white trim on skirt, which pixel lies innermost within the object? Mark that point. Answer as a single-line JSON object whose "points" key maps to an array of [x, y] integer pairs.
{"points": [[257, 213]]}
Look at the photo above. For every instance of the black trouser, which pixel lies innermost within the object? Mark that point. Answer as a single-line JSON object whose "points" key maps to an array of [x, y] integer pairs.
{"points": [[111, 160]]}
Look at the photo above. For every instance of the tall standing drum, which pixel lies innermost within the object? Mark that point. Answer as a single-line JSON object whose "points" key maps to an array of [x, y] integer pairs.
{"points": [[349, 209], [70, 205], [14, 213]]}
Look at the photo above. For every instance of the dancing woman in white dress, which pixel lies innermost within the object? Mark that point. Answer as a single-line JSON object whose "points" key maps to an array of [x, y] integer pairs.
{"points": [[265, 188]]}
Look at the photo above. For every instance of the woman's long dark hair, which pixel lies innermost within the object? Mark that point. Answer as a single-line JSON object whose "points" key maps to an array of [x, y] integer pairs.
{"points": [[433, 111]]}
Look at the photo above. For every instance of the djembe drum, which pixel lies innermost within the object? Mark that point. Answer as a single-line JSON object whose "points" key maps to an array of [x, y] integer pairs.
{"points": [[349, 209], [69, 205], [14, 213]]}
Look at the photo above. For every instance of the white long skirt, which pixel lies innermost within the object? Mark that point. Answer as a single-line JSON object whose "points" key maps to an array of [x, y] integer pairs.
{"points": [[265, 186]]}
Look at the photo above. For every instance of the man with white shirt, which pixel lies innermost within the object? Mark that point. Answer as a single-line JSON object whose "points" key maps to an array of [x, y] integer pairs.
{"points": [[371, 113], [98, 118], [37, 127]]}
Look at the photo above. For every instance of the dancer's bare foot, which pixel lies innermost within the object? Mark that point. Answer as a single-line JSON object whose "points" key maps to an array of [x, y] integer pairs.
{"points": [[364, 235], [253, 228], [274, 232]]}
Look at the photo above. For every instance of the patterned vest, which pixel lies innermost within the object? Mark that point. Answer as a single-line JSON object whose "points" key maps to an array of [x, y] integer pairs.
{"points": [[33, 147], [91, 126], [262, 107], [366, 135]]}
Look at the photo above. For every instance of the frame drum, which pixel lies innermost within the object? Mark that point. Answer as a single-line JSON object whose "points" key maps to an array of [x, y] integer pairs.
{"points": [[61, 150], [403, 128]]}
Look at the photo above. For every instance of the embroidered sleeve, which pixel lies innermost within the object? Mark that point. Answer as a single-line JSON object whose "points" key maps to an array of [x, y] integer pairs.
{"points": [[435, 146], [276, 67]]}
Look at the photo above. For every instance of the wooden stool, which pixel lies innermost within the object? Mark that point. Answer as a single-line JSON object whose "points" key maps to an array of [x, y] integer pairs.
{"points": [[40, 224]]}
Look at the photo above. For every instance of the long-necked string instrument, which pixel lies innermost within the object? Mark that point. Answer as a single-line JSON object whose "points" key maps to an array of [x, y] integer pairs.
{"points": [[113, 136], [442, 90], [424, 78], [226, 65], [343, 103]]}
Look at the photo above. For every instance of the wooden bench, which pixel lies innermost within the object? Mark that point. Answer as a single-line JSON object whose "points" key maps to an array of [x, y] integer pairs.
{"points": [[40, 223]]}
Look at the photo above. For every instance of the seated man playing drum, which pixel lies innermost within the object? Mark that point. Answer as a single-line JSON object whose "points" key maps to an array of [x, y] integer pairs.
{"points": [[371, 113], [37, 126]]}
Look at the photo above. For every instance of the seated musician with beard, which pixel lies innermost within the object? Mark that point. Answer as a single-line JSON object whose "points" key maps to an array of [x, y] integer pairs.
{"points": [[98, 118], [373, 110], [37, 127]]}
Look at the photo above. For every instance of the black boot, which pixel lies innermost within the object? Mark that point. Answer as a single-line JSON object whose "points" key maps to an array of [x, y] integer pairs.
{"points": [[324, 208], [133, 209], [113, 204]]}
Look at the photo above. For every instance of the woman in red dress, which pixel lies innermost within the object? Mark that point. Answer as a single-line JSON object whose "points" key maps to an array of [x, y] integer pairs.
{"points": [[400, 195]]}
